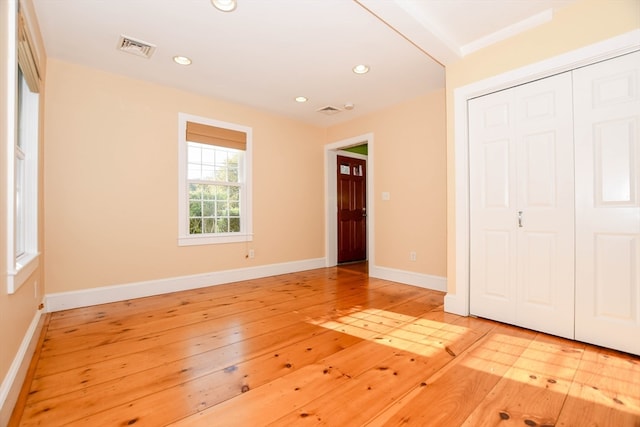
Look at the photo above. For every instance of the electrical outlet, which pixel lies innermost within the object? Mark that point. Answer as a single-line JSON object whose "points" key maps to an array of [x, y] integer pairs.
{"points": [[412, 256], [252, 253]]}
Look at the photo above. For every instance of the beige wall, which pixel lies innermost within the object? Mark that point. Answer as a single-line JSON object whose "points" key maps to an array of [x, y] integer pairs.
{"points": [[410, 164], [112, 181], [17, 310], [581, 24]]}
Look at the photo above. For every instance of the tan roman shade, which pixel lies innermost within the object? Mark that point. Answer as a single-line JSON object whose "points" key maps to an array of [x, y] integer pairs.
{"points": [[26, 57], [212, 135]]}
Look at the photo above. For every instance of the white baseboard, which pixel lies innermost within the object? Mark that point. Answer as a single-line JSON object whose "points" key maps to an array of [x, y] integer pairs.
{"points": [[426, 281], [106, 294], [13, 380]]}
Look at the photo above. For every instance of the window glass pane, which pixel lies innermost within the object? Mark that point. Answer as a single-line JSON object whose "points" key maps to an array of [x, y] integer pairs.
{"points": [[222, 209], [234, 209], [233, 160], [195, 226], [194, 153], [194, 171], [208, 192], [234, 193], [209, 225], [22, 86], [221, 159], [208, 156], [195, 209], [232, 175], [208, 209], [20, 211], [195, 191], [234, 225], [221, 174], [222, 193], [208, 173], [222, 225]]}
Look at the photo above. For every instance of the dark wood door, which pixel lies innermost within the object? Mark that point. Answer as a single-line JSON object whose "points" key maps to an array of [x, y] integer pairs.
{"points": [[352, 209]]}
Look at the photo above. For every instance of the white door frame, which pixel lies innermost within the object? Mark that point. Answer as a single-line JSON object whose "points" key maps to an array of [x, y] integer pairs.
{"points": [[331, 152], [458, 303]]}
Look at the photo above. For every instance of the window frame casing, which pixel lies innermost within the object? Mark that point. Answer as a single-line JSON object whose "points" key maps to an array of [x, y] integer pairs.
{"points": [[23, 140], [245, 176]]}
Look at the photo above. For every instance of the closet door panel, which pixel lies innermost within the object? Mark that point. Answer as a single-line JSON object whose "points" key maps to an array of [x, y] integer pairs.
{"points": [[607, 114], [493, 207], [545, 242], [521, 200], [616, 277]]}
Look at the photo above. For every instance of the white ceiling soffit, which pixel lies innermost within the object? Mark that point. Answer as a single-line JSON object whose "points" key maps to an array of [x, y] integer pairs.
{"points": [[447, 30], [422, 34]]}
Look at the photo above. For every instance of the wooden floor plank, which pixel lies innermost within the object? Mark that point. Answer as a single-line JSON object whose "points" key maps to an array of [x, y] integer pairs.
{"points": [[447, 397], [606, 391], [532, 392], [321, 347]]}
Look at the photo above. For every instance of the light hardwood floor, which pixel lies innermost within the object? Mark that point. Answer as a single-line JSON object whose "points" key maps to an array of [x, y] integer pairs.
{"points": [[323, 347]]}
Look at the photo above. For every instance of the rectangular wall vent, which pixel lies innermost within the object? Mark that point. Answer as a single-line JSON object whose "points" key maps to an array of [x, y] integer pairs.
{"points": [[136, 47]]}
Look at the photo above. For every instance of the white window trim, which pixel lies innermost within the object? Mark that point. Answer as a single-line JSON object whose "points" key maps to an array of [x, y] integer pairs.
{"points": [[19, 269], [246, 216]]}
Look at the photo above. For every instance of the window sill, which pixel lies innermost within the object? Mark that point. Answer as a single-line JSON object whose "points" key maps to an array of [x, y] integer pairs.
{"points": [[24, 267], [212, 240]]}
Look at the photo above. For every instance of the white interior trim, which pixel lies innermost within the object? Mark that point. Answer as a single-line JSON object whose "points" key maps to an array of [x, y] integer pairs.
{"points": [[106, 294], [507, 32], [12, 382], [426, 281], [331, 221], [11, 121], [458, 303]]}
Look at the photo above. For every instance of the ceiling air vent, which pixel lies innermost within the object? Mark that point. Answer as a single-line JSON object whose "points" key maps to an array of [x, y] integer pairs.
{"points": [[136, 47], [329, 110]]}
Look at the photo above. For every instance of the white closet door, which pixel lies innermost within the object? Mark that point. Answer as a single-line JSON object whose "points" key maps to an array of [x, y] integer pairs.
{"points": [[493, 206], [546, 269], [607, 126], [522, 235]]}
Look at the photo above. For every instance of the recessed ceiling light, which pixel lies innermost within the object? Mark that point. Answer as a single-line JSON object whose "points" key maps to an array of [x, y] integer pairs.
{"points": [[224, 5], [182, 60], [301, 99], [361, 69]]}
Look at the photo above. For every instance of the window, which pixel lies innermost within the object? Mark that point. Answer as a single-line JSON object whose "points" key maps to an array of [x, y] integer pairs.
{"points": [[214, 182], [22, 169]]}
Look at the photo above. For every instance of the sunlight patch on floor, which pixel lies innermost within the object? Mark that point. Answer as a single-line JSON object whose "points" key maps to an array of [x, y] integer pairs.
{"points": [[419, 335]]}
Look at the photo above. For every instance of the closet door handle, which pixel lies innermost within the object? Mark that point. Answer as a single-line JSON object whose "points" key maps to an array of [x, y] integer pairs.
{"points": [[520, 219]]}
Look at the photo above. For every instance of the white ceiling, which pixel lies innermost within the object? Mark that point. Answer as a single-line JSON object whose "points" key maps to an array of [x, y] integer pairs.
{"points": [[267, 52]]}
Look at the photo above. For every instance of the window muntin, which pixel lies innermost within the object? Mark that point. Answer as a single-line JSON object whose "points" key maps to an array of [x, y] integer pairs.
{"points": [[214, 181]]}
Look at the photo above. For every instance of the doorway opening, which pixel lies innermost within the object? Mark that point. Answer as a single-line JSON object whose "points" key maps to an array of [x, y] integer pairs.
{"points": [[332, 151], [351, 195]]}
